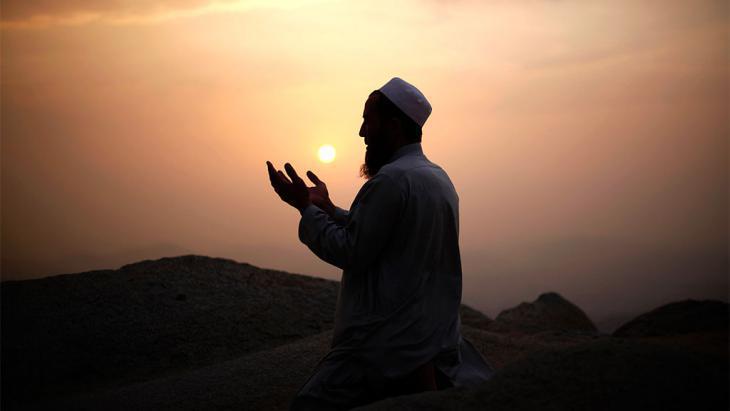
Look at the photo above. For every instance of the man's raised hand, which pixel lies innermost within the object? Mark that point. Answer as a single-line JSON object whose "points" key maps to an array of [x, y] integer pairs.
{"points": [[319, 195], [294, 192]]}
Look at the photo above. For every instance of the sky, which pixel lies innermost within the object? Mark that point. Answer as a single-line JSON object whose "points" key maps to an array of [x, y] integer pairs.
{"points": [[587, 140]]}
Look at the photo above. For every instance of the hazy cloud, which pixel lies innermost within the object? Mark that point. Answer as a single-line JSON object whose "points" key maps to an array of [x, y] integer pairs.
{"points": [[18, 14], [14, 10]]}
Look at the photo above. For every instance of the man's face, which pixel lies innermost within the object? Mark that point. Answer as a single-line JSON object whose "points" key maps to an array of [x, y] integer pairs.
{"points": [[370, 120], [378, 138]]}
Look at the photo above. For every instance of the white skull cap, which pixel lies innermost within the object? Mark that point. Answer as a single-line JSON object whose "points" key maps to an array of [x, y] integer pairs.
{"points": [[407, 98]]}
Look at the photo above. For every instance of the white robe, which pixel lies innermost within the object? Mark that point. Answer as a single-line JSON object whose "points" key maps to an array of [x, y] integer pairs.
{"points": [[398, 305]]}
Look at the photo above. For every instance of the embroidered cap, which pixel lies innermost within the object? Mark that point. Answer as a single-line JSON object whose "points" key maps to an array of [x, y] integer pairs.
{"points": [[407, 98]]}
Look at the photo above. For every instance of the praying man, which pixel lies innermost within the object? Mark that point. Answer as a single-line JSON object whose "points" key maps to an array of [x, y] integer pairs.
{"points": [[397, 325]]}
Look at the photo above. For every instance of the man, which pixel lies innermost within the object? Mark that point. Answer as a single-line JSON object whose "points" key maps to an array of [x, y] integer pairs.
{"points": [[397, 325]]}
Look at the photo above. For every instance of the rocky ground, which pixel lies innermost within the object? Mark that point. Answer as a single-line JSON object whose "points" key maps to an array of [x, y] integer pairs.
{"points": [[196, 333]]}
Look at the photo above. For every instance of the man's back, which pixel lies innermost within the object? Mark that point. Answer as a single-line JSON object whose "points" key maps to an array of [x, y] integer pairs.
{"points": [[423, 252], [409, 295]]}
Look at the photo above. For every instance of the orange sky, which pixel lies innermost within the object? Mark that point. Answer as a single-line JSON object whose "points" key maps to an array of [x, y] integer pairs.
{"points": [[588, 141]]}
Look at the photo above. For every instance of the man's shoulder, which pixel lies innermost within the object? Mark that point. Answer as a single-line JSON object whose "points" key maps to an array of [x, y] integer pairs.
{"points": [[410, 167], [421, 174]]}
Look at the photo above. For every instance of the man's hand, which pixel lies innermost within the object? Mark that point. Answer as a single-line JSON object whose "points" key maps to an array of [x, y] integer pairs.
{"points": [[319, 195], [294, 192]]}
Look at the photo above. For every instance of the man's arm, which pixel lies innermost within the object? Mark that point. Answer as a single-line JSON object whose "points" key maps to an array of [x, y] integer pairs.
{"points": [[336, 213], [340, 215], [367, 228]]}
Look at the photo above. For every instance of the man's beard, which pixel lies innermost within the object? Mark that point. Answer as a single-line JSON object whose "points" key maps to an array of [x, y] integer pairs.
{"points": [[376, 156]]}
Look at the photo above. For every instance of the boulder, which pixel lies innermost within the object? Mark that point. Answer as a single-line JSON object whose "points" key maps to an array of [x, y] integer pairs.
{"points": [[473, 318]]}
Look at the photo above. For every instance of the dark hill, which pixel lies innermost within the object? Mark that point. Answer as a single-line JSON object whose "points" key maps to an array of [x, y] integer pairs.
{"points": [[77, 332], [549, 312]]}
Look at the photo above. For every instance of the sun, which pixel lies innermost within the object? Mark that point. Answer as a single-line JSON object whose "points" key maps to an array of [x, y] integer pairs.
{"points": [[326, 153]]}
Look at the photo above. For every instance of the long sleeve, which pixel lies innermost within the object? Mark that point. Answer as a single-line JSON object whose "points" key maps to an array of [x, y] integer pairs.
{"points": [[369, 223], [340, 215]]}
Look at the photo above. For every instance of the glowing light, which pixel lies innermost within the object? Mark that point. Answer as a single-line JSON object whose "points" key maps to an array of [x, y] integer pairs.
{"points": [[326, 153]]}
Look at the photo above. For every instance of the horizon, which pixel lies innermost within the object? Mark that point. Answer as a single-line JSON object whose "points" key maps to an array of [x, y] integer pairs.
{"points": [[604, 322], [588, 143]]}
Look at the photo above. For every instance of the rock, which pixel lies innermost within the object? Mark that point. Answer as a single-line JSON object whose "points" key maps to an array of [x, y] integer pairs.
{"points": [[677, 318], [473, 318], [549, 312]]}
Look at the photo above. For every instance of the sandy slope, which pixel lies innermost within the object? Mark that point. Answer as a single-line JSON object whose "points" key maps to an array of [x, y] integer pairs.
{"points": [[265, 380]]}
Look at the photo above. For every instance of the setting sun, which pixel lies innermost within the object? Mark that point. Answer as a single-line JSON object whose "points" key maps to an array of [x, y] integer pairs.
{"points": [[326, 153]]}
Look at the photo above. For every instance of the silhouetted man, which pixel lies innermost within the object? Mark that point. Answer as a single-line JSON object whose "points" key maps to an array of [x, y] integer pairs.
{"points": [[397, 325]]}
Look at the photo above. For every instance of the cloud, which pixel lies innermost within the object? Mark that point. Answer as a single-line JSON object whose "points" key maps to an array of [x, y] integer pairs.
{"points": [[20, 14]]}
